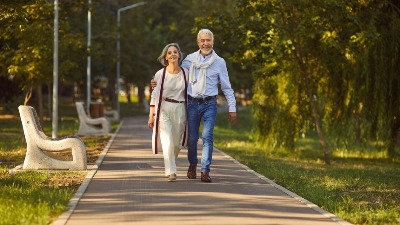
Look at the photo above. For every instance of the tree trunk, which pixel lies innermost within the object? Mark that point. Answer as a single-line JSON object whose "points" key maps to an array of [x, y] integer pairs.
{"points": [[141, 94], [317, 121], [358, 123], [141, 97], [128, 93], [111, 90], [358, 129], [49, 99], [313, 106], [394, 143], [40, 102], [28, 96], [292, 24]]}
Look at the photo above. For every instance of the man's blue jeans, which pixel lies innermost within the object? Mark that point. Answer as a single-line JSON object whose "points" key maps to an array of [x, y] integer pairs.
{"points": [[206, 113]]}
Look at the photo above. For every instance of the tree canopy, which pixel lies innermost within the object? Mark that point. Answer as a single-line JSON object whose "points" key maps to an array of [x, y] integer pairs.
{"points": [[327, 65]]}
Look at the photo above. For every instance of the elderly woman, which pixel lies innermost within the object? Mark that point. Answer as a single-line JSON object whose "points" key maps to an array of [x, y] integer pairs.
{"points": [[168, 106]]}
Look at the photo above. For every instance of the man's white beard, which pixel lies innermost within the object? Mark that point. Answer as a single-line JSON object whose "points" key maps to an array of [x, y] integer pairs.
{"points": [[206, 52]]}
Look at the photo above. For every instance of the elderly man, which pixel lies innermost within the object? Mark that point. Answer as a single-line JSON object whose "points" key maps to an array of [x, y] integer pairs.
{"points": [[206, 71]]}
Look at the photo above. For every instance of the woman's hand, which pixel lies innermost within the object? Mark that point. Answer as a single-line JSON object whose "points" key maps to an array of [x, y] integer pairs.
{"points": [[150, 123]]}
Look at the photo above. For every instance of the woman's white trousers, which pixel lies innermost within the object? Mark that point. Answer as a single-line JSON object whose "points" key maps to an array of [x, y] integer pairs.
{"points": [[172, 125]]}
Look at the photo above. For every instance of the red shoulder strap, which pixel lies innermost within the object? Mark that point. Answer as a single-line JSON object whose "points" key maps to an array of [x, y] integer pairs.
{"points": [[158, 109], [186, 100]]}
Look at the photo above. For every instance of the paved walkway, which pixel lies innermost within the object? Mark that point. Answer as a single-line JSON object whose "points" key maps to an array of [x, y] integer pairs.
{"points": [[129, 187]]}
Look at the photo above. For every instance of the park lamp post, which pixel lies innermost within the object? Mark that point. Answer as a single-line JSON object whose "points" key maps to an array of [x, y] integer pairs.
{"points": [[88, 65], [55, 73], [119, 47]]}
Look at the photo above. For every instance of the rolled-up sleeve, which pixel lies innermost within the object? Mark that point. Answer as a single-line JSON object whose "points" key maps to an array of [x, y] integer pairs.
{"points": [[226, 85]]}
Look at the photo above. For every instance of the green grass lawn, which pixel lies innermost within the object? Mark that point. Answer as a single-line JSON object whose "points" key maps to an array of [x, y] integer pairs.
{"points": [[33, 197], [39, 197], [362, 189]]}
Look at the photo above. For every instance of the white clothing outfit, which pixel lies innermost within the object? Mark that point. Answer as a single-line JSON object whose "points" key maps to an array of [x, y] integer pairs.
{"points": [[170, 117]]}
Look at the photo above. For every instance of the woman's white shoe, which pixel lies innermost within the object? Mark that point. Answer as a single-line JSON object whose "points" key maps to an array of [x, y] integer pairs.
{"points": [[172, 178]]}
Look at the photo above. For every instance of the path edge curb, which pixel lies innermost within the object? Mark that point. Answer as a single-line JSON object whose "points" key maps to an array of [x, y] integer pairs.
{"points": [[286, 191], [64, 217]]}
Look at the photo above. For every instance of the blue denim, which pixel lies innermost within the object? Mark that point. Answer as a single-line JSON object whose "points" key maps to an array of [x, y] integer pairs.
{"points": [[206, 113]]}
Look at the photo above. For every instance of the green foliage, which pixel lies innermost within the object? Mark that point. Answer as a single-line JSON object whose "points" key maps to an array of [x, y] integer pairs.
{"points": [[326, 64], [378, 68], [220, 19], [147, 29], [331, 65], [27, 53], [27, 41]]}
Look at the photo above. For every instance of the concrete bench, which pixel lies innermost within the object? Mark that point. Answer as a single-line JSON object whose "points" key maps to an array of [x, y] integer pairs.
{"points": [[91, 126], [111, 114], [40, 147]]}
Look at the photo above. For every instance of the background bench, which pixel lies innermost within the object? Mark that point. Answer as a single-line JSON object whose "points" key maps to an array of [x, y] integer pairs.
{"points": [[91, 126]]}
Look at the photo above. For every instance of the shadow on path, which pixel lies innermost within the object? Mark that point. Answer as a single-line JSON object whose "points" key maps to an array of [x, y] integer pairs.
{"points": [[130, 188]]}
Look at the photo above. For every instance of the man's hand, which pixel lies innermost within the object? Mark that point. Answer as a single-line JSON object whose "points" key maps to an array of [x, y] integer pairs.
{"points": [[153, 83], [232, 117], [150, 122]]}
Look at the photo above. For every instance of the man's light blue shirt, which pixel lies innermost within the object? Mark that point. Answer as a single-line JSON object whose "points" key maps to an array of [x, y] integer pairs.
{"points": [[216, 73]]}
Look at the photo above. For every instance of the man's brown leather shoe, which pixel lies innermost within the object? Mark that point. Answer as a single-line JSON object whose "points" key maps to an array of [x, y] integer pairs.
{"points": [[191, 174], [205, 177]]}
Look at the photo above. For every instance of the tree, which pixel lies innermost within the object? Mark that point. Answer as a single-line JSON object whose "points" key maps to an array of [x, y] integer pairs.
{"points": [[27, 43], [377, 74], [324, 63]]}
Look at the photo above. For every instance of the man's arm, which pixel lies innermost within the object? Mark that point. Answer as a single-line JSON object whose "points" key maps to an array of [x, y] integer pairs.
{"points": [[153, 83], [227, 90], [226, 85], [186, 63]]}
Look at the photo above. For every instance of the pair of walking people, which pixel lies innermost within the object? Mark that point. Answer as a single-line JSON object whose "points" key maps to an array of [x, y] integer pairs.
{"points": [[182, 98]]}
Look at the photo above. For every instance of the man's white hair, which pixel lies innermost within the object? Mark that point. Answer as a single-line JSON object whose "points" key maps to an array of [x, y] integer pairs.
{"points": [[205, 31]]}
